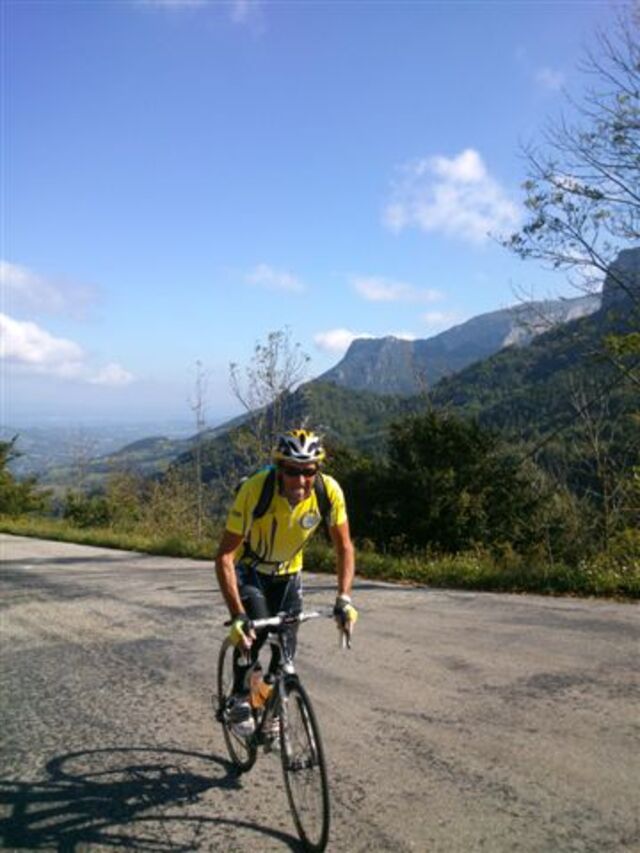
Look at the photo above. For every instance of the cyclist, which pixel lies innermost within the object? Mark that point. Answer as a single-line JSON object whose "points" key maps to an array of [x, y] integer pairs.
{"points": [[259, 560]]}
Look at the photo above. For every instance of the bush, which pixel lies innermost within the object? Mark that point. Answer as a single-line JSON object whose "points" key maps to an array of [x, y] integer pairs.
{"points": [[86, 510], [17, 497]]}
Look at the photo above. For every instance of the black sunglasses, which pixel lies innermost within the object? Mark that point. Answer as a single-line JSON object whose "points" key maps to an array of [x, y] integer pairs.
{"points": [[290, 471]]}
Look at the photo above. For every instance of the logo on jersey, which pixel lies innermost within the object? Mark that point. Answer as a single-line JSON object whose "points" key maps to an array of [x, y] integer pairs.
{"points": [[309, 520]]}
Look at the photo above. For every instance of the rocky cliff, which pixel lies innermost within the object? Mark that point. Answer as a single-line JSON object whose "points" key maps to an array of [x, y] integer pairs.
{"points": [[393, 366]]}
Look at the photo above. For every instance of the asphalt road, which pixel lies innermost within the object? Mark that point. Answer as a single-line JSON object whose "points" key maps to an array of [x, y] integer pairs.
{"points": [[458, 722]]}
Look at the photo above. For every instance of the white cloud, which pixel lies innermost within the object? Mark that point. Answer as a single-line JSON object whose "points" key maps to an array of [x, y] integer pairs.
{"points": [[378, 289], [337, 341], [466, 168], [266, 276], [34, 350], [550, 79], [112, 374], [452, 196], [25, 290], [240, 12], [28, 344]]}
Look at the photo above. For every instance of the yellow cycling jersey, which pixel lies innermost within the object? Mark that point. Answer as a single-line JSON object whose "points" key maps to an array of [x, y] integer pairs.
{"points": [[279, 536]]}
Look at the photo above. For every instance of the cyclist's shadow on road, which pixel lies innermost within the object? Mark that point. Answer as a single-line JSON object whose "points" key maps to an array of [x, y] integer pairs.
{"points": [[122, 798]]}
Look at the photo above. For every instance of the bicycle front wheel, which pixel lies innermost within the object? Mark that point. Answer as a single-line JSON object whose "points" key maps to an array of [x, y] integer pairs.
{"points": [[304, 767], [242, 750]]}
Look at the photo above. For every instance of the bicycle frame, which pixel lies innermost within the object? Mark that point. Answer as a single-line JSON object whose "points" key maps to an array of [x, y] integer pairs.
{"points": [[276, 704]]}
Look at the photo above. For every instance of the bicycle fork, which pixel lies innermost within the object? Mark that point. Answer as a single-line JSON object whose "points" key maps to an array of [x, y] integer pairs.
{"points": [[283, 705], [295, 762]]}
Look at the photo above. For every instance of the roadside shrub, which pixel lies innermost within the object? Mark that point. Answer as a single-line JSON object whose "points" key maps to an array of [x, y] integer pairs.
{"points": [[17, 497], [86, 510]]}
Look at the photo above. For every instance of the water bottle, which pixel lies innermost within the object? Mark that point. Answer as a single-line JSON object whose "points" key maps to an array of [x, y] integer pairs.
{"points": [[260, 690]]}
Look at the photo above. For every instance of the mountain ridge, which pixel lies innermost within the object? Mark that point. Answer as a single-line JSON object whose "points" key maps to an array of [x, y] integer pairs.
{"points": [[392, 365]]}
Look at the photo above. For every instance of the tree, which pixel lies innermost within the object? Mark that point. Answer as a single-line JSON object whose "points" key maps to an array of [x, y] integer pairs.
{"points": [[605, 450], [125, 494], [198, 406], [86, 510], [449, 484], [263, 388], [583, 185], [17, 497], [170, 509], [83, 452]]}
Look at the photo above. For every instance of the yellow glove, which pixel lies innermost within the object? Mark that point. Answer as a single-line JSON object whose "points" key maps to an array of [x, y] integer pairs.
{"points": [[238, 633], [346, 616]]}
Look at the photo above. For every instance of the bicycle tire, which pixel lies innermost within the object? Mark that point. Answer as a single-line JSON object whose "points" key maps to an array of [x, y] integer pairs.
{"points": [[242, 751], [304, 767]]}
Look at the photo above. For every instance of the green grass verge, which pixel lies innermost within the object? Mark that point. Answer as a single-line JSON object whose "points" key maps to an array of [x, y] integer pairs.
{"points": [[478, 570], [105, 537], [602, 576]]}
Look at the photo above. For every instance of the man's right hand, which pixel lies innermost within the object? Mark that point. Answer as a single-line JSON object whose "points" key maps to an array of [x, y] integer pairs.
{"points": [[240, 635], [346, 617]]}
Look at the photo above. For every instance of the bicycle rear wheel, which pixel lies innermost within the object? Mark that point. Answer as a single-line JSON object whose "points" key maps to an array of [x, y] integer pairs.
{"points": [[304, 767], [242, 751]]}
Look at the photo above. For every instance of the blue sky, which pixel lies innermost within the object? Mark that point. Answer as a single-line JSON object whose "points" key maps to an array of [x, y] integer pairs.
{"points": [[182, 178]]}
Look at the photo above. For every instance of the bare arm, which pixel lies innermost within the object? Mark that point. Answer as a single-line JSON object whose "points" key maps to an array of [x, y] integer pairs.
{"points": [[225, 571], [345, 557]]}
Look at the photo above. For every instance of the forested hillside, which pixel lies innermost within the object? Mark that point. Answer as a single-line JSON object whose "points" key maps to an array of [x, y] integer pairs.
{"points": [[530, 391]]}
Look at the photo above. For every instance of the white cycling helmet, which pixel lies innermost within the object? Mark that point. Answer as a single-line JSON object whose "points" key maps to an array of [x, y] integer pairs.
{"points": [[299, 445]]}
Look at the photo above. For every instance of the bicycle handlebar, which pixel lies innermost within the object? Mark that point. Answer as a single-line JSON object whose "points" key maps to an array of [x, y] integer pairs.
{"points": [[283, 619], [293, 619], [286, 619]]}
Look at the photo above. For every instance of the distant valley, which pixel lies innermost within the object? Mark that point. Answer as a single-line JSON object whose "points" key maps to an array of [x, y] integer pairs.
{"points": [[507, 367], [44, 448]]}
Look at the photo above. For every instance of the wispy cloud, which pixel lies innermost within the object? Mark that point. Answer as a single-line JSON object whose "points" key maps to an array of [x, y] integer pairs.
{"points": [[34, 350], [266, 276], [26, 290], [545, 77], [111, 374], [241, 12], [174, 4], [453, 196], [403, 336], [337, 341], [379, 289], [437, 321], [550, 78], [249, 14]]}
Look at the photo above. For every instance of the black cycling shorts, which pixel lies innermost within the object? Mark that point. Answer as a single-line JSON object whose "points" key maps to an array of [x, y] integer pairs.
{"points": [[267, 595]]}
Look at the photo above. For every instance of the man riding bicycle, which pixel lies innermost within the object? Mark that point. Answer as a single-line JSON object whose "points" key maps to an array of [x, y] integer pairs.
{"points": [[263, 577]]}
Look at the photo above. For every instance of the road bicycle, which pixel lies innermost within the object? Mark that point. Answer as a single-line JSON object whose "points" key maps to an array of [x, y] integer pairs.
{"points": [[286, 720]]}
